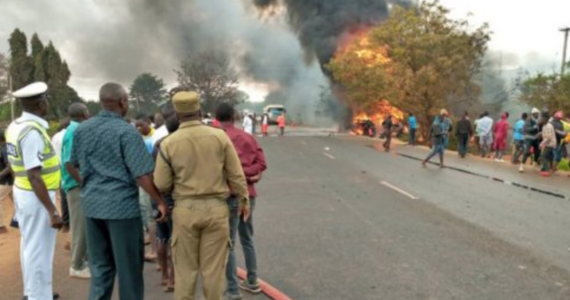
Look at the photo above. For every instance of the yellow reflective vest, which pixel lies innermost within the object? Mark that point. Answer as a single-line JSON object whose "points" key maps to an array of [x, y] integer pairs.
{"points": [[51, 171]]}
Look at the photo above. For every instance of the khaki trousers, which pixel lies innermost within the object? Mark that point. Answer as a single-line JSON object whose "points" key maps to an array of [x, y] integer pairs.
{"points": [[5, 193], [200, 244], [78, 231]]}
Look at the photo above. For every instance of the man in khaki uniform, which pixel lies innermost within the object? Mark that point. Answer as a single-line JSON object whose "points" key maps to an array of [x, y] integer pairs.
{"points": [[195, 164]]}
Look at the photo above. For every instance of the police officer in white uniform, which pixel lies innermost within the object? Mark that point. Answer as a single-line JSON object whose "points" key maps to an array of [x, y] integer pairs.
{"points": [[37, 177]]}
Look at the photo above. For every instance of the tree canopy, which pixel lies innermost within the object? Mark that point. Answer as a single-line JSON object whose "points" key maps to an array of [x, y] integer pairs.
{"points": [[43, 63], [550, 92], [212, 76], [3, 76], [146, 92], [419, 60]]}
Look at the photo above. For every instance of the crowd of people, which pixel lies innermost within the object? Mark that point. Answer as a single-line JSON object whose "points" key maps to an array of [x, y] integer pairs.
{"points": [[185, 187], [538, 136]]}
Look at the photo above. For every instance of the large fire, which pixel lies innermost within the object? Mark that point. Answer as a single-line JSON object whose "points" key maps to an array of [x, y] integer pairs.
{"points": [[376, 115], [360, 45]]}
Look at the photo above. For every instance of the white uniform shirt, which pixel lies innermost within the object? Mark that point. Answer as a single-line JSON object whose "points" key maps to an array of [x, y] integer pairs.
{"points": [[57, 142], [32, 147], [265, 120]]}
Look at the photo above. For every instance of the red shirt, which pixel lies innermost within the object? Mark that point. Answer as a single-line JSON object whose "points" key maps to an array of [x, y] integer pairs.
{"points": [[281, 121], [250, 154]]}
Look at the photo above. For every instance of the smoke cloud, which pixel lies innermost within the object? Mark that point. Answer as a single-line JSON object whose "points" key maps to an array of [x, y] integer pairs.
{"points": [[281, 45]]}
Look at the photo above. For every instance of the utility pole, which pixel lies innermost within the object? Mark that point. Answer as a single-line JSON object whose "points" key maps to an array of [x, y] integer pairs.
{"points": [[566, 32]]}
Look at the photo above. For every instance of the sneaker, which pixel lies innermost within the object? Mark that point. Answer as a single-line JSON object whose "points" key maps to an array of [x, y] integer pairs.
{"points": [[237, 296], [544, 173], [253, 288], [55, 296], [521, 168], [81, 274]]}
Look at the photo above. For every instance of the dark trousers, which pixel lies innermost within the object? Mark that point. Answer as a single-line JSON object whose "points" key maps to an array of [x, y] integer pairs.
{"points": [[64, 207], [463, 143], [115, 247], [412, 136], [547, 159], [531, 144], [388, 141]]}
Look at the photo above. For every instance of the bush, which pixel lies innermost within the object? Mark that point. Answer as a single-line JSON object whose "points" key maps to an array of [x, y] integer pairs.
{"points": [[564, 165]]}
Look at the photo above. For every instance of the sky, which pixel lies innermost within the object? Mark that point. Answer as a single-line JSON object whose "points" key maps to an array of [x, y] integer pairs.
{"points": [[528, 29], [525, 33]]}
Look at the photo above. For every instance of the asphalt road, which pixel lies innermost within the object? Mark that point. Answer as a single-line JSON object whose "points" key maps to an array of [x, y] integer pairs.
{"points": [[338, 219]]}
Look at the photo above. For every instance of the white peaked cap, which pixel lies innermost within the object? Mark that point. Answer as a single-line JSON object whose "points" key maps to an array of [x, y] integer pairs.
{"points": [[31, 90], [535, 110]]}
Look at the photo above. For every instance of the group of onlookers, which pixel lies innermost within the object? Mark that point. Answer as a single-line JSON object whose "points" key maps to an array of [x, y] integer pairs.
{"points": [[187, 185], [542, 136]]}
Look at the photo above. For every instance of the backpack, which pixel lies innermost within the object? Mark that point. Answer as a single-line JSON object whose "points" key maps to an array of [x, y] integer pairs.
{"points": [[436, 129]]}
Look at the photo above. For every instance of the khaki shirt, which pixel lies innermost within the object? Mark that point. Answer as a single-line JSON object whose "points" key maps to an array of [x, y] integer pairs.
{"points": [[198, 162]]}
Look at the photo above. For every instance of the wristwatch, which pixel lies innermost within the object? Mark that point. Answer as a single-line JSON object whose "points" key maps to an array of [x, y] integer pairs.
{"points": [[55, 214]]}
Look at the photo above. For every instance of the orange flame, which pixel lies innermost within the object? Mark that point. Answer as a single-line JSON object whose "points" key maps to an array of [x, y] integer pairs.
{"points": [[372, 55]]}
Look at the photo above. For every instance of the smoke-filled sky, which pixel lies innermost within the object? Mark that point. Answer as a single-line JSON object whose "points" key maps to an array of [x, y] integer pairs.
{"points": [[106, 40]]}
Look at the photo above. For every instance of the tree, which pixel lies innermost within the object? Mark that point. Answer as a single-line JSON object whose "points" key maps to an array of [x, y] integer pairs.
{"points": [[3, 76], [210, 74], [146, 92], [550, 92], [94, 107], [420, 60], [21, 66]]}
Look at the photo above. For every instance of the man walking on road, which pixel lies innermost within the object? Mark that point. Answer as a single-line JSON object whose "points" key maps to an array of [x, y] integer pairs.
{"points": [[463, 131], [196, 164], [438, 141], [6, 180], [70, 184], [144, 126], [37, 178], [518, 137], [532, 138], [57, 142], [387, 126], [281, 124], [113, 160], [485, 132], [413, 124], [253, 164], [548, 145], [501, 134]]}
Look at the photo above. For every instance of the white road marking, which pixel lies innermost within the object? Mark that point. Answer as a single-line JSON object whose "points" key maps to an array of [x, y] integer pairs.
{"points": [[328, 155], [399, 190]]}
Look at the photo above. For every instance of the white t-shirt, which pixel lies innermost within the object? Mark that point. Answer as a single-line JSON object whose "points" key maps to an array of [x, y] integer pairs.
{"points": [[57, 141], [159, 133], [248, 125], [484, 126]]}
